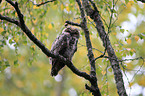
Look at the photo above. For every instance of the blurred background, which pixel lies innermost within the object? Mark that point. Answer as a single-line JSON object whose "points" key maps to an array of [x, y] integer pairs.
{"points": [[25, 70]]}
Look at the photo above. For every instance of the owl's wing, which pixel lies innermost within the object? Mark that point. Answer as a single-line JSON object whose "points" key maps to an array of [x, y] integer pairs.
{"points": [[60, 43], [59, 47]]}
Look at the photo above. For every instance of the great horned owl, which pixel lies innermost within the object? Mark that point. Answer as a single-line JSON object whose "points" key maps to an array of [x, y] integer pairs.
{"points": [[65, 45]]}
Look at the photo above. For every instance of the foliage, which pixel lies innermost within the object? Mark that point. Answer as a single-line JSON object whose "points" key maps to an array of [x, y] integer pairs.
{"points": [[25, 70]]}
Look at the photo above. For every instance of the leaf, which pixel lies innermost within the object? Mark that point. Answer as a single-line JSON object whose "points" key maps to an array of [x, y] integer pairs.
{"points": [[128, 41], [136, 38], [16, 63], [35, 21], [25, 42], [35, 7], [122, 30], [141, 81], [62, 7], [114, 11], [131, 53], [11, 41], [135, 1], [67, 8], [103, 72], [7, 63], [126, 1], [55, 2], [141, 35], [1, 30], [50, 26], [32, 30]]}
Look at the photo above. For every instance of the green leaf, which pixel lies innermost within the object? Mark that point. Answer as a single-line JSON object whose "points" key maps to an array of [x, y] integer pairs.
{"points": [[7, 63], [16, 63], [135, 1], [25, 42], [122, 30], [11, 41], [55, 2], [126, 1], [131, 53], [52, 24], [110, 3], [141, 35]]}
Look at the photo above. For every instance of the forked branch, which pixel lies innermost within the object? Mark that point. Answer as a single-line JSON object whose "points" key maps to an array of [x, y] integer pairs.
{"points": [[22, 25]]}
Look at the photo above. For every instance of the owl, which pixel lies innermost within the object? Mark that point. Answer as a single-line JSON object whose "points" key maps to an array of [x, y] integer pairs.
{"points": [[65, 45]]}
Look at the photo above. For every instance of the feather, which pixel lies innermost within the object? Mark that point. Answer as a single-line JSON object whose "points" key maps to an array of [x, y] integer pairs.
{"points": [[65, 45]]}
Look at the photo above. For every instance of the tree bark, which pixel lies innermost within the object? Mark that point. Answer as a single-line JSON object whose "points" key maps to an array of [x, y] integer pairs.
{"points": [[94, 14]]}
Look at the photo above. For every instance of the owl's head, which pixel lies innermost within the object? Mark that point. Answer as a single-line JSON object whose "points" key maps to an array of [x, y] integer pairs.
{"points": [[73, 31]]}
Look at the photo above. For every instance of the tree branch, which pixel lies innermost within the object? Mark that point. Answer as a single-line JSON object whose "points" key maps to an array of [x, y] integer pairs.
{"points": [[47, 52], [72, 23], [9, 20], [94, 14], [132, 59], [42, 3], [143, 1], [94, 86]]}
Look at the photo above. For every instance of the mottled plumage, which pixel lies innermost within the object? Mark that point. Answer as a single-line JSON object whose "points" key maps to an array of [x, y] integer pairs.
{"points": [[65, 45]]}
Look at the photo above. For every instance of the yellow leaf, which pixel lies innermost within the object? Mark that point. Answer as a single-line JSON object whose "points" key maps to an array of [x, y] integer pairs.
{"points": [[35, 21], [34, 86], [33, 46], [131, 84], [128, 49], [46, 34], [67, 8], [1, 30], [16, 14], [141, 81], [15, 39], [128, 41], [103, 72], [62, 7], [50, 26], [136, 38], [129, 4], [35, 7], [31, 13], [19, 84], [133, 50], [114, 33], [32, 30]]}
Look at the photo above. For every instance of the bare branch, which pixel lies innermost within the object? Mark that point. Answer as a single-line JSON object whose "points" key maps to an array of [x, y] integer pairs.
{"points": [[39, 44], [42, 3], [9, 19], [101, 56], [72, 23], [92, 48], [94, 14], [132, 59], [143, 1]]}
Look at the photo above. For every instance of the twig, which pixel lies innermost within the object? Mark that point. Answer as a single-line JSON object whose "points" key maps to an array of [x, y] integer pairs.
{"points": [[9, 19], [92, 47], [132, 59], [42, 3], [101, 56], [47, 52], [143, 1], [72, 23]]}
